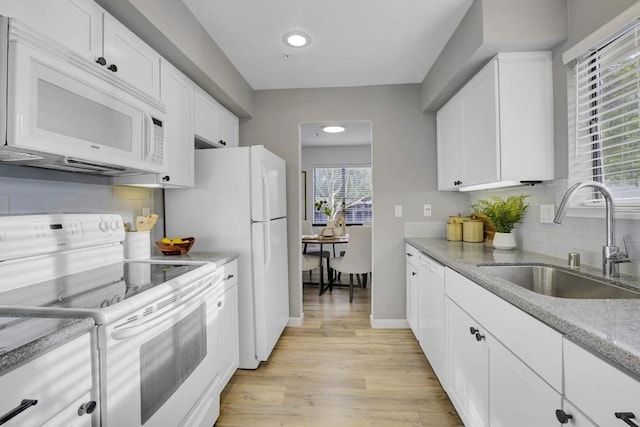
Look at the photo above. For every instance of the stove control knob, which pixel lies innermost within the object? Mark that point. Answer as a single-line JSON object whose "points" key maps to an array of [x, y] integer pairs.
{"points": [[87, 407], [103, 226], [114, 225]]}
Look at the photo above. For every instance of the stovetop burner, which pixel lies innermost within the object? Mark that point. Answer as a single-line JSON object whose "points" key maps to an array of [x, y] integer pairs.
{"points": [[96, 288]]}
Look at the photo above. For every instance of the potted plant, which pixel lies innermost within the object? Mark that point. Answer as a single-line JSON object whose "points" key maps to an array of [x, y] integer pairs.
{"points": [[504, 214]]}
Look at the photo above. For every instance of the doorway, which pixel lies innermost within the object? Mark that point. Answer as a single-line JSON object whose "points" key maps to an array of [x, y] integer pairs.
{"points": [[335, 175]]}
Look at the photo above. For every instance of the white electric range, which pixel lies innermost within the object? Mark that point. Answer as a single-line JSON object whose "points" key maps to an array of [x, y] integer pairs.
{"points": [[155, 351]]}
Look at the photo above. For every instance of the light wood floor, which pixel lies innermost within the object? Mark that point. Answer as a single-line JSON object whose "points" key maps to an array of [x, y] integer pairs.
{"points": [[336, 371]]}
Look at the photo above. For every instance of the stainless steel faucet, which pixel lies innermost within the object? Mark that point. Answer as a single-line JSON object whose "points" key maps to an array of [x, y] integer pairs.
{"points": [[611, 254]]}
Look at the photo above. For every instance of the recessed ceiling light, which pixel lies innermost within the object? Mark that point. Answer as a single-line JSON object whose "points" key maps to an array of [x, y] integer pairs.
{"points": [[333, 128], [297, 39]]}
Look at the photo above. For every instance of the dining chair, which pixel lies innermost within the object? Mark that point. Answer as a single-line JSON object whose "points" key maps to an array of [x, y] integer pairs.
{"points": [[357, 257], [309, 263]]}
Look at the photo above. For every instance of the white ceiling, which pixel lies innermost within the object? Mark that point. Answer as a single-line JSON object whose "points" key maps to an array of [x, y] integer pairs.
{"points": [[355, 133], [353, 42]]}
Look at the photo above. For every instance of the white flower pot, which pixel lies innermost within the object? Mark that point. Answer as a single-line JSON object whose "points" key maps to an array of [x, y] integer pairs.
{"points": [[505, 241]]}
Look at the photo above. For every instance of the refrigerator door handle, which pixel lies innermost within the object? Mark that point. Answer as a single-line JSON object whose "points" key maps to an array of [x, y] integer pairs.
{"points": [[267, 243], [266, 196]]}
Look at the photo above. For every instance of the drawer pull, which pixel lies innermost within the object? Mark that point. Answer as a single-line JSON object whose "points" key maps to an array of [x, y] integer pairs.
{"points": [[408, 254], [563, 417], [473, 330], [479, 337], [24, 405], [229, 277], [626, 417], [413, 273]]}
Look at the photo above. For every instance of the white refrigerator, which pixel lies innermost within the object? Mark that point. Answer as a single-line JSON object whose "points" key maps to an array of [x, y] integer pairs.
{"points": [[238, 204]]}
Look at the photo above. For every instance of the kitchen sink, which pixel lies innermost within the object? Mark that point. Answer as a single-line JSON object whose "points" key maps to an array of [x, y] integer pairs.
{"points": [[559, 283]]}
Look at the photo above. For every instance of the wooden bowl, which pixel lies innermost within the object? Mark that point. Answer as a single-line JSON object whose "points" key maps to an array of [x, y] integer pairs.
{"points": [[176, 248]]}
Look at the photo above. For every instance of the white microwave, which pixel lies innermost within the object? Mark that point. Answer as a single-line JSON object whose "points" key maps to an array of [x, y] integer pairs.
{"points": [[63, 112]]}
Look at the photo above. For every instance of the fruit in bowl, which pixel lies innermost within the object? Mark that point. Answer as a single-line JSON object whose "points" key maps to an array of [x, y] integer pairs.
{"points": [[175, 246]]}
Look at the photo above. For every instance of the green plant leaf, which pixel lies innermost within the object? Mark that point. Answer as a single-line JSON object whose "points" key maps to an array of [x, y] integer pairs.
{"points": [[503, 213]]}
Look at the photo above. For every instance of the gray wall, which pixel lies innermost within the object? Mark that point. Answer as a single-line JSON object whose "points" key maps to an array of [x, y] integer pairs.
{"points": [[404, 171]]}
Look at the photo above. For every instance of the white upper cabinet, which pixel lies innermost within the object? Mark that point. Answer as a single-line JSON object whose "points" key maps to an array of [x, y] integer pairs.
{"points": [[498, 129], [85, 28], [130, 58], [76, 24], [177, 95], [214, 126]]}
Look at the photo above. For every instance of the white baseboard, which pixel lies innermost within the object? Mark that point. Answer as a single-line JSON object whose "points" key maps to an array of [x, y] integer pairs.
{"points": [[296, 322], [388, 323]]}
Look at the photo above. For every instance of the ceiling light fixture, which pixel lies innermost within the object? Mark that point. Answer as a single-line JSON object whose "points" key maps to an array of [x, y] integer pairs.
{"points": [[297, 39], [333, 128]]}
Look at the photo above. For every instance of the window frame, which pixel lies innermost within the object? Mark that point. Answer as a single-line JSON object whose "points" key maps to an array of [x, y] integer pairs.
{"points": [[348, 219], [590, 61]]}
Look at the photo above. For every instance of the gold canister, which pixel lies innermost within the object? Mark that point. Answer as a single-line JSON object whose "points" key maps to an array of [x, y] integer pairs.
{"points": [[473, 231], [454, 231]]}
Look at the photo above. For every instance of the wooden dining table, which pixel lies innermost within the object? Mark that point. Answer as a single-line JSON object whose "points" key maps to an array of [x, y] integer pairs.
{"points": [[315, 239]]}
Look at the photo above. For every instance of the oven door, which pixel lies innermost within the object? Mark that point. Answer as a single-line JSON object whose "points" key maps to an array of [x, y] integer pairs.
{"points": [[155, 368]]}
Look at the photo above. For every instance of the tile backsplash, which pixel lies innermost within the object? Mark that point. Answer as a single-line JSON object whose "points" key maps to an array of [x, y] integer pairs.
{"points": [[582, 234], [22, 196]]}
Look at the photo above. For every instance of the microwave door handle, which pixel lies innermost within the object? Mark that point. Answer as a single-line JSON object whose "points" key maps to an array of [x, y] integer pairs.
{"points": [[147, 135]]}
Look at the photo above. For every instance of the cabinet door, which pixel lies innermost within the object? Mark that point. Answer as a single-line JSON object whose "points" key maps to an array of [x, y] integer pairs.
{"points": [[517, 396], [207, 118], [130, 58], [578, 418], [431, 314], [71, 416], [177, 95], [229, 128], [228, 337], [468, 379], [76, 24], [597, 388], [412, 294], [481, 149], [449, 139]]}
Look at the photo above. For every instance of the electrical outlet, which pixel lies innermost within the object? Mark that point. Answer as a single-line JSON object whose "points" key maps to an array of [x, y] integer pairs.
{"points": [[398, 211], [547, 212], [146, 211], [427, 209]]}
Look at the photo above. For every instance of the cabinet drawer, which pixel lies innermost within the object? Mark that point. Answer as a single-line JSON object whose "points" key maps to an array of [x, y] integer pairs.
{"points": [[597, 388], [55, 379], [536, 344], [230, 274], [411, 252]]}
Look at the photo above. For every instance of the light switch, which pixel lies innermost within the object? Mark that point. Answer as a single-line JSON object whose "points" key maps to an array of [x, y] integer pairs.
{"points": [[398, 211], [547, 212]]}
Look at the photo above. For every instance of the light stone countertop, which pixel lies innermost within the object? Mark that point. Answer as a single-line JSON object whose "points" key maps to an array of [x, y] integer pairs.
{"points": [[610, 328], [219, 258], [23, 338]]}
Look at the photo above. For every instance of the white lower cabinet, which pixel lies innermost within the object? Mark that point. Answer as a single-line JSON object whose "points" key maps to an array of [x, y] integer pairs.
{"points": [[60, 382], [411, 291], [228, 339], [604, 393], [468, 377], [500, 372], [570, 415]]}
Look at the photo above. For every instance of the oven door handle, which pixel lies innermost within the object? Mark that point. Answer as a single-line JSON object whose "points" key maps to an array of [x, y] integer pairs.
{"points": [[166, 318]]}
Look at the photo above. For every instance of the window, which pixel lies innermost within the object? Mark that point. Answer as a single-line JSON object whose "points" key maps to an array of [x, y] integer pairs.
{"points": [[345, 189], [606, 141]]}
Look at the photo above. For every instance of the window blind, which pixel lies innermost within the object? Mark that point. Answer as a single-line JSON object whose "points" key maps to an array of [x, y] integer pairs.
{"points": [[607, 117], [343, 188]]}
